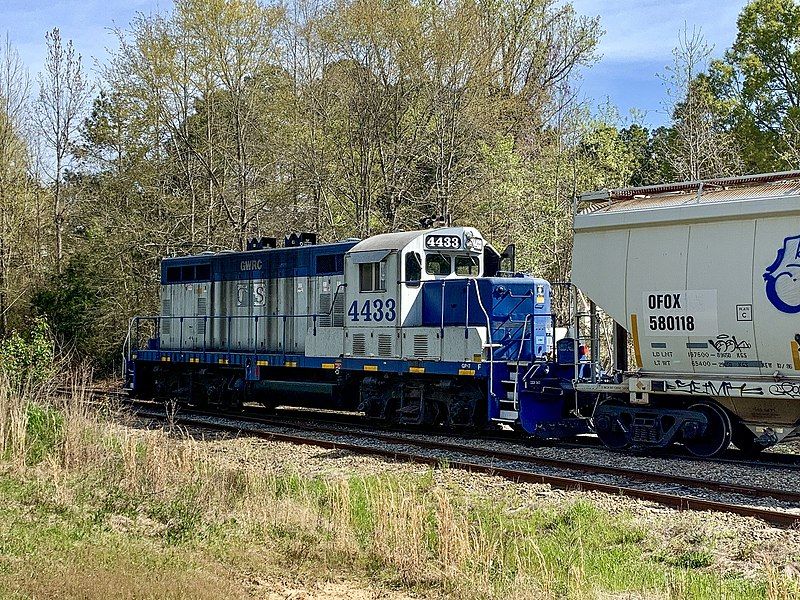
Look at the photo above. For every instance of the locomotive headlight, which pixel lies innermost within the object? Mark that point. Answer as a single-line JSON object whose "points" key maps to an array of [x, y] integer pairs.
{"points": [[473, 243]]}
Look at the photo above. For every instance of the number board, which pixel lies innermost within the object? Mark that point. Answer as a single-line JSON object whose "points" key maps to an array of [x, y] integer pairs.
{"points": [[443, 242], [680, 313], [373, 310]]}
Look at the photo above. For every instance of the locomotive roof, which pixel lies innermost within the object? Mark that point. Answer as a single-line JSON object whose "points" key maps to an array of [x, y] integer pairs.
{"points": [[342, 246], [267, 263], [389, 241], [399, 240]]}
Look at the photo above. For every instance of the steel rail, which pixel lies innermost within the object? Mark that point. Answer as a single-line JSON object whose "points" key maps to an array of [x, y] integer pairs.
{"points": [[774, 517], [399, 439]]}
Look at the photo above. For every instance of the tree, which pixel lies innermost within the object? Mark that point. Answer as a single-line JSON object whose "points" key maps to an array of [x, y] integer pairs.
{"points": [[220, 120], [698, 147], [15, 207], [759, 81], [63, 94], [238, 38], [648, 149]]}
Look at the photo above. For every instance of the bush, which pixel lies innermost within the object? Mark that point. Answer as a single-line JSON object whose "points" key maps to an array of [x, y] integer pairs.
{"points": [[89, 305], [71, 303], [29, 357]]}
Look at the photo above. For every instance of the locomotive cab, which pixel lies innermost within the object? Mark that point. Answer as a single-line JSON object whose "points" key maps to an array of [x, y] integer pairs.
{"points": [[386, 278]]}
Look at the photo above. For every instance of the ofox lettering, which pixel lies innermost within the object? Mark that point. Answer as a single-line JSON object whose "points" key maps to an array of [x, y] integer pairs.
{"points": [[667, 301], [250, 265]]}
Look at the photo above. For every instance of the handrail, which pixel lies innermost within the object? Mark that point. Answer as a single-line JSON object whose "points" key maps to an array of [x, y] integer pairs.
{"points": [[126, 351], [489, 333], [271, 316], [441, 327], [157, 319], [519, 356], [132, 342]]}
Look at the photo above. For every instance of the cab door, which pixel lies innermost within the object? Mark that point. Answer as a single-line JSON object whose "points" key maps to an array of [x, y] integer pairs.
{"points": [[371, 318]]}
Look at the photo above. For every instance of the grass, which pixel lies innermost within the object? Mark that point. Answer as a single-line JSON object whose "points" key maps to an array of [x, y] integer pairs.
{"points": [[94, 511]]}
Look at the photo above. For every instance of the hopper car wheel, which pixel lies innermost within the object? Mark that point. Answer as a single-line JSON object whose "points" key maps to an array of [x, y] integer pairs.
{"points": [[717, 436], [612, 432], [745, 440]]}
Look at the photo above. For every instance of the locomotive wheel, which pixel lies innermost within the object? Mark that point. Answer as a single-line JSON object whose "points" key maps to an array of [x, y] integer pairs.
{"points": [[717, 436]]}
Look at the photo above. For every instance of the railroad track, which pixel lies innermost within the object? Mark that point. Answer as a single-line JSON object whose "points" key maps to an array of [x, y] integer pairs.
{"points": [[568, 475], [767, 460], [296, 417], [733, 456]]}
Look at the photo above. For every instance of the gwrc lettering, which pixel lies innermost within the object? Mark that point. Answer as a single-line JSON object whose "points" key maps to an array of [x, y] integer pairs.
{"points": [[250, 265]]}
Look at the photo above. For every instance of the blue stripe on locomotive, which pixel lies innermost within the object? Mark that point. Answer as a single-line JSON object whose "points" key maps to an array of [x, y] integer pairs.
{"points": [[250, 360], [507, 300], [275, 263]]}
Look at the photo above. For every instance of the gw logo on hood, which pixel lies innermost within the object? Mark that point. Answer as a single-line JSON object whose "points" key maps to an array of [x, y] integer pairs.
{"points": [[783, 277]]}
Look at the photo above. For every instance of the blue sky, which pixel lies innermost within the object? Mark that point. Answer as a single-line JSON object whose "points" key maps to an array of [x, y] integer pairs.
{"points": [[637, 45], [638, 42], [87, 23]]}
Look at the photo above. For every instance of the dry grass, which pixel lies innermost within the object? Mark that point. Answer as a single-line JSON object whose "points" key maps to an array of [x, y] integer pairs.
{"points": [[110, 511]]}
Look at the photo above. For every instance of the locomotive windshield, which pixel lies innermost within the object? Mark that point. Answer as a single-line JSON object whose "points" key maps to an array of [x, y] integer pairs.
{"points": [[437, 264], [467, 265], [442, 265]]}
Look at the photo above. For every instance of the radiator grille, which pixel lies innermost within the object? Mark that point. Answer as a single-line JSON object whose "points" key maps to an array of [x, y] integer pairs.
{"points": [[384, 345], [325, 309], [359, 344], [166, 310], [202, 311], [421, 345], [338, 310]]}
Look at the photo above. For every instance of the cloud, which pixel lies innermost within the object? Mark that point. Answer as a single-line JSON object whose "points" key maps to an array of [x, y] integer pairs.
{"points": [[647, 30]]}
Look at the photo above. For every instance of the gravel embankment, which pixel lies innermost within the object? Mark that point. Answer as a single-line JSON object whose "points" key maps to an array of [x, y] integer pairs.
{"points": [[787, 479]]}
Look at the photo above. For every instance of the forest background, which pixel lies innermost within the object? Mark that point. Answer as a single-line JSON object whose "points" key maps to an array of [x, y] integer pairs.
{"points": [[221, 120]]}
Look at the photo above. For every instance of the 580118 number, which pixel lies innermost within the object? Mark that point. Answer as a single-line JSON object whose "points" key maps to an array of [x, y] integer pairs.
{"points": [[373, 310], [672, 323]]}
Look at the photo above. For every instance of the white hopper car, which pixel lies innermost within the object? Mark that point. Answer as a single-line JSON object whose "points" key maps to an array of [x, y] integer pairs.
{"points": [[705, 278]]}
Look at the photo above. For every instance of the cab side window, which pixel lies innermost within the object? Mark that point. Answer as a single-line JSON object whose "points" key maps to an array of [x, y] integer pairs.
{"points": [[413, 268], [372, 277]]}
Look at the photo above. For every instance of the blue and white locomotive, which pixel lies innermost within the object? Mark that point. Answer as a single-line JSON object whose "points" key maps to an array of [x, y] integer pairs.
{"points": [[418, 327]]}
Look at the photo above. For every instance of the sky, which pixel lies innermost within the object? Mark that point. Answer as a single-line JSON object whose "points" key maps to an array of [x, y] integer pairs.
{"points": [[637, 45]]}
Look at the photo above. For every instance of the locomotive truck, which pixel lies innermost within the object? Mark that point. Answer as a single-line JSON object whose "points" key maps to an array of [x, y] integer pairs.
{"points": [[425, 327]]}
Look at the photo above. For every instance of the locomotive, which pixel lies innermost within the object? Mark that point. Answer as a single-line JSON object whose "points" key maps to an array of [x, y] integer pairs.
{"points": [[418, 327], [435, 327]]}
